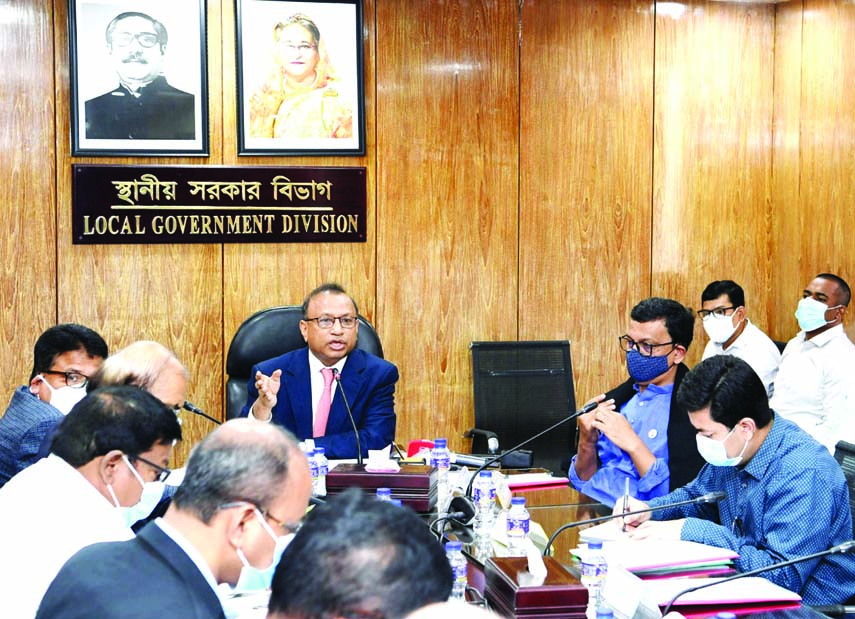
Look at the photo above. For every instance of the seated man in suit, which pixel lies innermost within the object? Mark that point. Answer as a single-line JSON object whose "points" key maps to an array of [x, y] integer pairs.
{"points": [[785, 495], [365, 558], [64, 358], [639, 432], [246, 487], [112, 444], [297, 390]]}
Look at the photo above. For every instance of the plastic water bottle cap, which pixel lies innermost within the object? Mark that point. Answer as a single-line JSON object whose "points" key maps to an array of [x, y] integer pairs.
{"points": [[725, 615], [485, 474], [518, 500], [440, 442], [320, 450], [595, 544], [384, 492], [606, 613], [453, 546]]}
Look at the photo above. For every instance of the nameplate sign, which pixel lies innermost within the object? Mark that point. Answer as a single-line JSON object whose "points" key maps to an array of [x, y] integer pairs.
{"points": [[114, 204]]}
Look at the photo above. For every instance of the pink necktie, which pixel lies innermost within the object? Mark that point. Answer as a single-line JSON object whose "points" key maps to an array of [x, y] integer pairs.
{"points": [[323, 412]]}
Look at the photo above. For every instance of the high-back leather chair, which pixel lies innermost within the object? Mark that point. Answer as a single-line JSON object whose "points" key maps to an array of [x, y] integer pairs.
{"points": [[270, 333], [844, 453]]}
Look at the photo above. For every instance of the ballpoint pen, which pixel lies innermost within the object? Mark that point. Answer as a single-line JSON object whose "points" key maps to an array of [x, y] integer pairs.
{"points": [[625, 501]]}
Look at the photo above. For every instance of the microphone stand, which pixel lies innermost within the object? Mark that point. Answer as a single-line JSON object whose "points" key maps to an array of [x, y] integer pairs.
{"points": [[337, 377], [705, 498], [843, 548]]}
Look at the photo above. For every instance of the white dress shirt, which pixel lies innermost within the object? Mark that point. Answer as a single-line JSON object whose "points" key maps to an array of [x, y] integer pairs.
{"points": [[48, 512], [815, 387], [756, 349]]}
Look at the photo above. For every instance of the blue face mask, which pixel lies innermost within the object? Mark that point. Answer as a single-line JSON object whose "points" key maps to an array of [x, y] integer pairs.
{"points": [[644, 369], [255, 578], [811, 314]]}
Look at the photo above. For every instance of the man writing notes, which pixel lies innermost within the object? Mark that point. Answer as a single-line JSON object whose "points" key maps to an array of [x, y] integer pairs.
{"points": [[815, 386], [785, 495], [297, 390], [725, 321], [638, 432]]}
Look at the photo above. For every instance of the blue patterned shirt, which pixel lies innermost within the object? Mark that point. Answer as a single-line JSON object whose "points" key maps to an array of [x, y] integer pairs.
{"points": [[22, 428], [648, 413], [788, 501]]}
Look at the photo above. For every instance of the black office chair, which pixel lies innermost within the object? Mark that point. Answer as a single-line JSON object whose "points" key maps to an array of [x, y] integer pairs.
{"points": [[844, 453], [522, 388], [270, 333], [780, 345]]}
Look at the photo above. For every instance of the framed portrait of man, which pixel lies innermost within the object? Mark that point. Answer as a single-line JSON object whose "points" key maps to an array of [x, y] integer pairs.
{"points": [[138, 77], [300, 77]]}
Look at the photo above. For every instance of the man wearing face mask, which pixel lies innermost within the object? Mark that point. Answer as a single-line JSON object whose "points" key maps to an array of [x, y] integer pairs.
{"points": [[638, 432], [815, 386], [245, 490], [64, 358], [785, 495], [110, 446], [725, 321]]}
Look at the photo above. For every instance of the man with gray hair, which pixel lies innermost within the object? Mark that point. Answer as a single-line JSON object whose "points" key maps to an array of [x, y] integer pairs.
{"points": [[246, 487]]}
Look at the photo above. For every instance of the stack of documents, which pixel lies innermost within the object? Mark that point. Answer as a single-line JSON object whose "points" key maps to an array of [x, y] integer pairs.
{"points": [[665, 557]]}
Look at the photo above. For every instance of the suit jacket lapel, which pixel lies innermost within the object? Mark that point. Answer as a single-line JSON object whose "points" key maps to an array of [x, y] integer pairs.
{"points": [[352, 379], [299, 384]]}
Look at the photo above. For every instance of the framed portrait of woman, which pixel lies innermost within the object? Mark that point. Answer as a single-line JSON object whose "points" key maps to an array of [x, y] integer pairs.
{"points": [[300, 77], [138, 77]]}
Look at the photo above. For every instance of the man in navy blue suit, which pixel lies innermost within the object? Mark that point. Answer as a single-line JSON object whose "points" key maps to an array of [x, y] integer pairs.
{"points": [[297, 390]]}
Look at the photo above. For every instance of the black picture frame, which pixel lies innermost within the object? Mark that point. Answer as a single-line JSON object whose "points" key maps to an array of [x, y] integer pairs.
{"points": [[110, 114], [325, 113]]}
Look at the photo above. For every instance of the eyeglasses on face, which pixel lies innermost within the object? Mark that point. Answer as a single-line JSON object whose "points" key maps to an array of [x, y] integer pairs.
{"points": [[327, 322], [72, 379], [303, 48], [285, 527], [718, 312], [644, 349], [162, 472], [145, 39]]}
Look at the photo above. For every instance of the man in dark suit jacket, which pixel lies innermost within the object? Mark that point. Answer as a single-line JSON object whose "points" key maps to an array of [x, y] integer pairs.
{"points": [[144, 106], [246, 487], [289, 389], [638, 432]]}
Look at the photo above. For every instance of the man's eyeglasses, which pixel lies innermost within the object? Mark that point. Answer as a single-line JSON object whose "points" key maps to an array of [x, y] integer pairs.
{"points": [[285, 527], [145, 39], [303, 48], [644, 349], [327, 322], [719, 312], [162, 472], [72, 379]]}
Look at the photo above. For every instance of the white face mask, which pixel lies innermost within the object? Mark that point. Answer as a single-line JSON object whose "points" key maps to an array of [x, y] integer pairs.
{"points": [[152, 492], [715, 452], [255, 578], [719, 328], [64, 398]]}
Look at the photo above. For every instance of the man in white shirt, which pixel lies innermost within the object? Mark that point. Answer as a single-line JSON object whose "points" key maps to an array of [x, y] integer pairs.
{"points": [[110, 446], [245, 491], [726, 323], [815, 387]]}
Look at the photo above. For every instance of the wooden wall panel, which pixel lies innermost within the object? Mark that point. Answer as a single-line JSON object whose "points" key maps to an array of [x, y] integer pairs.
{"points": [[815, 233], [447, 152], [168, 293], [586, 132], [712, 153], [28, 275]]}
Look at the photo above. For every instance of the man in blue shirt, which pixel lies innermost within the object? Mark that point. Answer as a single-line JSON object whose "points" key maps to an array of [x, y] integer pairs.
{"points": [[638, 433], [786, 496]]}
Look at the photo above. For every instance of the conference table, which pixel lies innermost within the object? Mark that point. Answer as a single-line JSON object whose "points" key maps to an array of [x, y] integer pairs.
{"points": [[552, 507]]}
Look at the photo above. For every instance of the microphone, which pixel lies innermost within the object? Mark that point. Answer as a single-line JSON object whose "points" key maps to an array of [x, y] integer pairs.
{"points": [[710, 497], [464, 503], [189, 406], [337, 377], [843, 548]]}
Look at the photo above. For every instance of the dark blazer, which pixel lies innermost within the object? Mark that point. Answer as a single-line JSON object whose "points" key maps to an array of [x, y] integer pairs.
{"points": [[148, 577], [367, 381], [684, 461]]}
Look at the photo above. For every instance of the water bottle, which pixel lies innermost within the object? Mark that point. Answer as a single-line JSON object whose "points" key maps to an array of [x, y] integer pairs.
{"points": [[384, 494], [518, 522], [313, 469], [594, 572], [454, 552], [319, 483], [484, 497], [440, 459]]}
